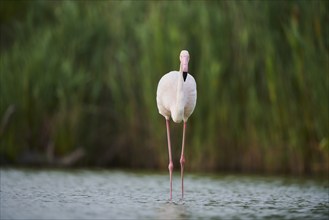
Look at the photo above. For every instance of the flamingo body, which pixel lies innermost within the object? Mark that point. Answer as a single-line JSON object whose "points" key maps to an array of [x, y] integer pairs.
{"points": [[168, 100]]}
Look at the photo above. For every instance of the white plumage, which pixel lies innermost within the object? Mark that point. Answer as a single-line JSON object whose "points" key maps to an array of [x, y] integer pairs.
{"points": [[176, 98]]}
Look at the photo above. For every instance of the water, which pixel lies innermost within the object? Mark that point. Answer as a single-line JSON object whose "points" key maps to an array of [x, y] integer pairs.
{"points": [[90, 194]]}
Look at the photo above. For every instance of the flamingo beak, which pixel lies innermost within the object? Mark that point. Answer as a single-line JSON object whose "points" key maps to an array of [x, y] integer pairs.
{"points": [[184, 64]]}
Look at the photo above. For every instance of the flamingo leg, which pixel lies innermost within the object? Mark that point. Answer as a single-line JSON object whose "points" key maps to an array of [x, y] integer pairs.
{"points": [[170, 166], [182, 159]]}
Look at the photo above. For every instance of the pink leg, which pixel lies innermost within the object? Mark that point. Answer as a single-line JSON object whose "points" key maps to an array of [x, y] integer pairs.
{"points": [[170, 166], [182, 160]]}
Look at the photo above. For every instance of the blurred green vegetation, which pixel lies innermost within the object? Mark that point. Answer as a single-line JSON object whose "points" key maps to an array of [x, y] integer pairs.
{"points": [[82, 75]]}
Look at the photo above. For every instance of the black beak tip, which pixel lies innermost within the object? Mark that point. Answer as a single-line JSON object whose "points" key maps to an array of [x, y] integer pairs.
{"points": [[184, 75]]}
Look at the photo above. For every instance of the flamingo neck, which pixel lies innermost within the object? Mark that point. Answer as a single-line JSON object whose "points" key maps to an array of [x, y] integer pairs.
{"points": [[178, 112]]}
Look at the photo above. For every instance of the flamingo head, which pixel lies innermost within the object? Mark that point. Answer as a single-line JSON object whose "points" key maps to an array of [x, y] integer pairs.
{"points": [[184, 57]]}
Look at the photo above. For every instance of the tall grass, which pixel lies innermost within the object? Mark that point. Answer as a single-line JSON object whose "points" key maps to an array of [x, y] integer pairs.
{"points": [[84, 75]]}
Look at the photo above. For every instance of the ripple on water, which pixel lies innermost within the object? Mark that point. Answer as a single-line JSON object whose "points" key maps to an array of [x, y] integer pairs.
{"points": [[84, 194]]}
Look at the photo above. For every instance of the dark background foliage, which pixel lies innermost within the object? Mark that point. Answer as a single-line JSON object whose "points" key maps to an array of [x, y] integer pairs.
{"points": [[78, 83]]}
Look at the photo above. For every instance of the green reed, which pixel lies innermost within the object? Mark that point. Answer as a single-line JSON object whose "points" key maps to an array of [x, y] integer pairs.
{"points": [[84, 75]]}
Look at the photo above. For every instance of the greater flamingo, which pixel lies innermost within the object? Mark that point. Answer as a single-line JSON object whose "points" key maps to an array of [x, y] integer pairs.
{"points": [[176, 97]]}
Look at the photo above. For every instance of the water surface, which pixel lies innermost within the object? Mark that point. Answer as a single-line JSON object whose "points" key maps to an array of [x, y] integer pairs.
{"points": [[102, 194]]}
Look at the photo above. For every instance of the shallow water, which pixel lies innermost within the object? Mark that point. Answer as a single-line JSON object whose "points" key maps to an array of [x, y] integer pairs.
{"points": [[102, 194]]}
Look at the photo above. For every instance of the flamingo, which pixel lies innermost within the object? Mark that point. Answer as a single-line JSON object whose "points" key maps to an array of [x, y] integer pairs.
{"points": [[176, 98]]}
